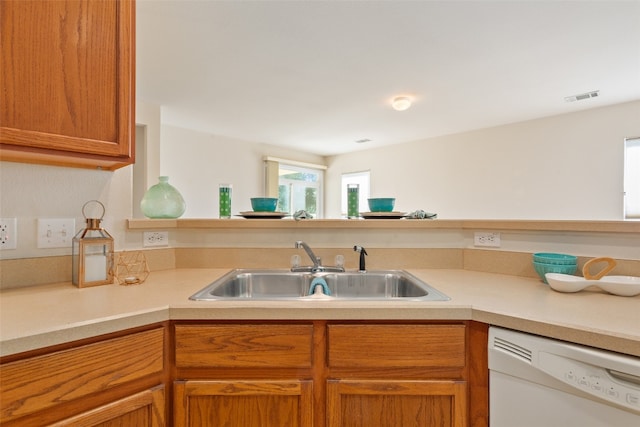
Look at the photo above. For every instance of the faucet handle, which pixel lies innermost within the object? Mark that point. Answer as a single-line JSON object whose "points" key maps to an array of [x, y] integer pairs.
{"points": [[295, 261]]}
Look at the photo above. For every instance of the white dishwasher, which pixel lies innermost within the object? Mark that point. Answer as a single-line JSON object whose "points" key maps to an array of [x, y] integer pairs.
{"points": [[541, 382]]}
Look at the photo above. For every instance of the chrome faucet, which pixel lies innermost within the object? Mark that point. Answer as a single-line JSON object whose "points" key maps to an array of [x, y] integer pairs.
{"points": [[317, 262], [314, 259]]}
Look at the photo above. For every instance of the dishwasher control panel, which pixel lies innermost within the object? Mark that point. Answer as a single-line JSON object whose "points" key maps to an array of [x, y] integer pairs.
{"points": [[591, 379]]}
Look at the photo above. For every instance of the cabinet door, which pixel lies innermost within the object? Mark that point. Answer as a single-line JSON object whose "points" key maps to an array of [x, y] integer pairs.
{"points": [[394, 403], [40, 384], [144, 409], [67, 82], [243, 403]]}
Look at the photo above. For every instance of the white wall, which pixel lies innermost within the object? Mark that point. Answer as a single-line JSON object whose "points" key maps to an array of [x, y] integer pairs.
{"points": [[29, 192], [197, 163], [562, 167]]}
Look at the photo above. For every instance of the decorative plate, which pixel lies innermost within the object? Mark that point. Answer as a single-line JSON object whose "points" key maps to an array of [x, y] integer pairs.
{"points": [[382, 215], [274, 215]]}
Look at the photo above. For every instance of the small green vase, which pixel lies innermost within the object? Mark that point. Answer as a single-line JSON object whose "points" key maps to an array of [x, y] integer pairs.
{"points": [[162, 200]]}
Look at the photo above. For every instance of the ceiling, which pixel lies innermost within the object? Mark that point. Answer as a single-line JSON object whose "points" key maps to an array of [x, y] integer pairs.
{"points": [[319, 75]]}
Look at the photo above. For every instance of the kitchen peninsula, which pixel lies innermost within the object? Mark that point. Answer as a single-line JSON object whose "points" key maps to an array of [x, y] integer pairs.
{"points": [[486, 287]]}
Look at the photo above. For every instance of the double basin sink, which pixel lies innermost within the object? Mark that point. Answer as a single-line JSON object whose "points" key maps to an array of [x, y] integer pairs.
{"points": [[249, 284]]}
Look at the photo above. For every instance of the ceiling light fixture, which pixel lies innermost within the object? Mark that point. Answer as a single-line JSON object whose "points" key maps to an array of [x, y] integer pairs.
{"points": [[401, 103]]}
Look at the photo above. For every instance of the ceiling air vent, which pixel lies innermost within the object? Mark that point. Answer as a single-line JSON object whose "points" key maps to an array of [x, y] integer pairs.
{"points": [[580, 97]]}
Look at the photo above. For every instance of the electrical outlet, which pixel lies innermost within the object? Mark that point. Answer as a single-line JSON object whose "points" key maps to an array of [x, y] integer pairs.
{"points": [[56, 232], [155, 238], [8, 233], [491, 240]]}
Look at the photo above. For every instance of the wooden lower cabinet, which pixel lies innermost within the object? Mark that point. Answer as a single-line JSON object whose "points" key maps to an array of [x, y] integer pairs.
{"points": [[394, 403], [244, 374], [243, 403], [331, 374], [117, 380], [316, 373], [388, 375]]}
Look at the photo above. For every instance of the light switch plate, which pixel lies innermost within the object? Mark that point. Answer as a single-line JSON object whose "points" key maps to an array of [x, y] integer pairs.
{"points": [[56, 232]]}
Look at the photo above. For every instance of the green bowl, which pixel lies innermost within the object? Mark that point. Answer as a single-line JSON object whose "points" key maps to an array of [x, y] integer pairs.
{"points": [[553, 258], [381, 204], [264, 204]]}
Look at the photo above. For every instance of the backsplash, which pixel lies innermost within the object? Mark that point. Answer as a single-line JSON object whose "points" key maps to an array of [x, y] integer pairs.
{"points": [[38, 271]]}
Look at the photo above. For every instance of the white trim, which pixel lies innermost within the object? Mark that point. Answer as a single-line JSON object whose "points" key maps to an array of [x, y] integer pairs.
{"points": [[294, 163], [631, 178]]}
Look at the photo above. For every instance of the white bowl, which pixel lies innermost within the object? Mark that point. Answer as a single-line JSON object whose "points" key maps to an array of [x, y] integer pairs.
{"points": [[625, 286]]}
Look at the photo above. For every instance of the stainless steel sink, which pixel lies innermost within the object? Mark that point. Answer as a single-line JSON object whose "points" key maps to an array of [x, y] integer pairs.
{"points": [[246, 284]]}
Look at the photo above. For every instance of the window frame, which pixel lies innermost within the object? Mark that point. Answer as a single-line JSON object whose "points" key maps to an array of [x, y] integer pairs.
{"points": [[274, 165], [631, 175]]}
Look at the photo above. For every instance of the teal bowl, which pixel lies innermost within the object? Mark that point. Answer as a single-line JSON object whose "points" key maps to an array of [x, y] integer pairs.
{"points": [[543, 268], [381, 204], [553, 258], [264, 204]]}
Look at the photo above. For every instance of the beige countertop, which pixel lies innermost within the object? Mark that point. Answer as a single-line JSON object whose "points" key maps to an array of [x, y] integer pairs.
{"points": [[37, 317]]}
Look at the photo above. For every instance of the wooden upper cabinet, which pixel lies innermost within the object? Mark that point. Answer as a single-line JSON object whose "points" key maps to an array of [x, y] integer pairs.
{"points": [[68, 82]]}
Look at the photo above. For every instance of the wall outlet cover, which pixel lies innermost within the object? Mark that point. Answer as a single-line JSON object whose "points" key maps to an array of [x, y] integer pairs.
{"points": [[155, 238], [8, 233], [490, 240]]}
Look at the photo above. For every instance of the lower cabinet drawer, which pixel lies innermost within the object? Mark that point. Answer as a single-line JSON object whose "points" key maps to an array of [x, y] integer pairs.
{"points": [[244, 346], [41, 382], [389, 346]]}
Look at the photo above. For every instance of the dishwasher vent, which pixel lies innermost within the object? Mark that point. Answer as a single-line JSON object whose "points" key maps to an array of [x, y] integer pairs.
{"points": [[513, 349]]}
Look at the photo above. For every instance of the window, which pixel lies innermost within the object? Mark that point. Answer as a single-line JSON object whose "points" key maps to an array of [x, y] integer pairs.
{"points": [[298, 186], [299, 189], [632, 178], [362, 179]]}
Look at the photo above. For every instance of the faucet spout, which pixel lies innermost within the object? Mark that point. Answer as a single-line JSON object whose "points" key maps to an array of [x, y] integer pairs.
{"points": [[314, 259], [317, 262]]}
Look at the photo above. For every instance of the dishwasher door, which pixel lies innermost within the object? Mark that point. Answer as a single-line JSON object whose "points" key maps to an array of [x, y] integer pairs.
{"points": [[535, 381]]}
